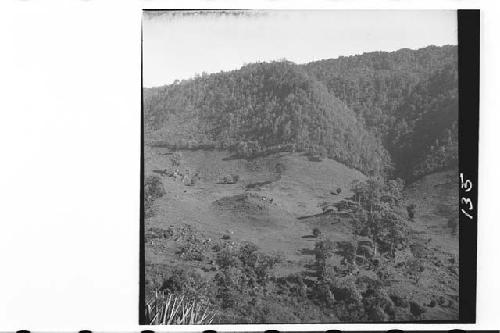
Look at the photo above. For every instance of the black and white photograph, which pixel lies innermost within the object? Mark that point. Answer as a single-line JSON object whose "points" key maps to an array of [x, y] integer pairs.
{"points": [[300, 166], [249, 166]]}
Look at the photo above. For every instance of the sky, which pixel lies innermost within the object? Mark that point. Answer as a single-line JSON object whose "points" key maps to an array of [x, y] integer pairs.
{"points": [[179, 46]]}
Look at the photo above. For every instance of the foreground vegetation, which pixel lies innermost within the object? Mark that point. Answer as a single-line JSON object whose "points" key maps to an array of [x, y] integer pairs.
{"points": [[348, 281]]}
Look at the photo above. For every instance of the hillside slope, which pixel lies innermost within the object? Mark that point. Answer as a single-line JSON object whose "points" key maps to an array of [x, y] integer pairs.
{"points": [[408, 98], [276, 204], [372, 112], [262, 105], [266, 206], [424, 138], [271, 197]]}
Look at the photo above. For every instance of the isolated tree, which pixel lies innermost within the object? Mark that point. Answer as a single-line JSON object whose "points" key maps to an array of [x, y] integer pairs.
{"points": [[323, 250], [316, 232], [176, 159], [347, 250], [376, 215]]}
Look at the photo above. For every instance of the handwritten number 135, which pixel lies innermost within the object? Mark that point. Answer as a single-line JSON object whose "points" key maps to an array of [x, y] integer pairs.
{"points": [[467, 186]]}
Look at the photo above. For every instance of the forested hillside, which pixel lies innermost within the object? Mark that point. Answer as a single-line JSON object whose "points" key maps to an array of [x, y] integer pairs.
{"points": [[425, 135], [261, 106], [371, 112], [407, 98]]}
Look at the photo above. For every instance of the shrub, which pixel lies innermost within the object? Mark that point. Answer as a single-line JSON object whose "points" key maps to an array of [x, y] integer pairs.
{"points": [[378, 305], [265, 263], [248, 254], [230, 179], [323, 294], [339, 190], [323, 250], [242, 149], [153, 189], [347, 250], [322, 151], [229, 284], [226, 258], [293, 286], [193, 181], [216, 247], [411, 209], [365, 251], [399, 300], [348, 300], [416, 309], [182, 281], [176, 159], [269, 311], [316, 232], [247, 148], [346, 290], [192, 251]]}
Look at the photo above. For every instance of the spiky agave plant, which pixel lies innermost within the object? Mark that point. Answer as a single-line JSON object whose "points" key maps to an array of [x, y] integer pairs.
{"points": [[174, 309]]}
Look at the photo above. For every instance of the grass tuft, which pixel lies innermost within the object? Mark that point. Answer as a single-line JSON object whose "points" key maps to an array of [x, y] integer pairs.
{"points": [[174, 309]]}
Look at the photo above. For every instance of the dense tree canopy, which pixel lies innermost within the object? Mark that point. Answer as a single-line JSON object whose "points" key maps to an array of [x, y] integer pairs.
{"points": [[425, 136], [407, 98], [372, 112], [264, 104]]}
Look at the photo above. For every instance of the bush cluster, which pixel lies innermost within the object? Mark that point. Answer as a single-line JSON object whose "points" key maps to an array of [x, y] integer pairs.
{"points": [[153, 189]]}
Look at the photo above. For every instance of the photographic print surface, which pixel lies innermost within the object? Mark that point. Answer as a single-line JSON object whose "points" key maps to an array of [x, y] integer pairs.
{"points": [[300, 166]]}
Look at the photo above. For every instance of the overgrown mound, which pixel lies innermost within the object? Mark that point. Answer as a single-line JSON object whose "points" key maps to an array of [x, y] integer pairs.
{"points": [[246, 203]]}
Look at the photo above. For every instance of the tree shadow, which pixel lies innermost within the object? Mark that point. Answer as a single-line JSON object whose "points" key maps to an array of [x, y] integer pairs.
{"points": [[258, 184], [314, 215], [309, 236]]}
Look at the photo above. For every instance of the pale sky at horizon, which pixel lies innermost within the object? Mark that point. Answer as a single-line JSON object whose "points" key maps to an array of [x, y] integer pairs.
{"points": [[178, 47]]}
